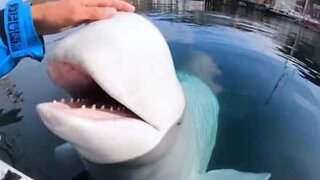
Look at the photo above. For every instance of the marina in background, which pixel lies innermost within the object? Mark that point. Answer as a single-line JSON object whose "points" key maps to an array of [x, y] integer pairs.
{"points": [[303, 12], [306, 12]]}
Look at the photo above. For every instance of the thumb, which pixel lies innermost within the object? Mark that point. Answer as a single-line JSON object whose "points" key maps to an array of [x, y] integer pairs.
{"points": [[97, 13]]}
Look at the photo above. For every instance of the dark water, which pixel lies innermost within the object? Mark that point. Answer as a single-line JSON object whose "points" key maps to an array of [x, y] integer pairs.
{"points": [[265, 71]]}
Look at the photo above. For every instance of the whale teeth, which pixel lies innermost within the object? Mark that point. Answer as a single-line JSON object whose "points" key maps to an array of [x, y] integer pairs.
{"points": [[118, 109], [102, 107], [54, 101], [71, 100], [83, 106], [78, 99], [93, 107], [111, 108], [62, 100]]}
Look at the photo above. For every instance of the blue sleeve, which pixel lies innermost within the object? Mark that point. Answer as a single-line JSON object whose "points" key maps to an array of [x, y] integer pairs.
{"points": [[19, 38]]}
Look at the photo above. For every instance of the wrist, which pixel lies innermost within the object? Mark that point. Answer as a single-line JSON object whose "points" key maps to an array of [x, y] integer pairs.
{"points": [[23, 39], [37, 18]]}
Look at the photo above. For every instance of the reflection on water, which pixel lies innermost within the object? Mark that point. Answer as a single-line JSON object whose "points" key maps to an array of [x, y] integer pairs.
{"points": [[265, 71], [268, 86]]}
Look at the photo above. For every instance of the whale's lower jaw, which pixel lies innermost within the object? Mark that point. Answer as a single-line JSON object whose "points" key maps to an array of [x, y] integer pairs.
{"points": [[99, 140]]}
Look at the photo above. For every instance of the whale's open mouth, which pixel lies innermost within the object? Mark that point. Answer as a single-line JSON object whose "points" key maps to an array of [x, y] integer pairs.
{"points": [[88, 99], [92, 120]]}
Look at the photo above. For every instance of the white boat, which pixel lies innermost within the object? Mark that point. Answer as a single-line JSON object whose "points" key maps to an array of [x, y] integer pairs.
{"points": [[6, 168]]}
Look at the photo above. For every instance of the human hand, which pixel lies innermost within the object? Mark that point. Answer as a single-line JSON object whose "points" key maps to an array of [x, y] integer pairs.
{"points": [[57, 16]]}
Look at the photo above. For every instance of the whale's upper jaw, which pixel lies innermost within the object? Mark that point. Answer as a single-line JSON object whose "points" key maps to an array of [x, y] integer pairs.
{"points": [[120, 62]]}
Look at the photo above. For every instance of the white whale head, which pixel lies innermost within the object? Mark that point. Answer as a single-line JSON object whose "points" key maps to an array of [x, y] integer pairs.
{"points": [[129, 93]]}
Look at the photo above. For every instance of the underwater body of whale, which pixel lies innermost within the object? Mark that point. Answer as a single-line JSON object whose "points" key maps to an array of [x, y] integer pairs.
{"points": [[132, 117]]}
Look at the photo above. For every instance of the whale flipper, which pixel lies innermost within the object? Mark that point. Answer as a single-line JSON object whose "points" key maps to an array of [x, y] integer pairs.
{"points": [[231, 174], [67, 160]]}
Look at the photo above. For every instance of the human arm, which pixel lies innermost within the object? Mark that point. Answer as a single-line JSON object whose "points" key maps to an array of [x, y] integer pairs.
{"points": [[19, 38], [22, 25], [57, 16]]}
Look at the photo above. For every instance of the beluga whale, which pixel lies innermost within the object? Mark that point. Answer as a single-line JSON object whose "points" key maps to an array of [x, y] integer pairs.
{"points": [[131, 116]]}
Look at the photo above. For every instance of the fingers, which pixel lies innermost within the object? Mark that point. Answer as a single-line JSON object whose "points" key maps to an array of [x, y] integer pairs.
{"points": [[97, 13], [120, 5], [123, 6]]}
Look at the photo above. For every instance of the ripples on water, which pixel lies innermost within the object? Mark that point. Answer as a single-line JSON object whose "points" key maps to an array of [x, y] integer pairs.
{"points": [[264, 70]]}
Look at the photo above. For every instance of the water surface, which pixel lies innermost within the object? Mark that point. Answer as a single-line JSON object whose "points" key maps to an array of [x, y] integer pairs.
{"points": [[265, 71]]}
